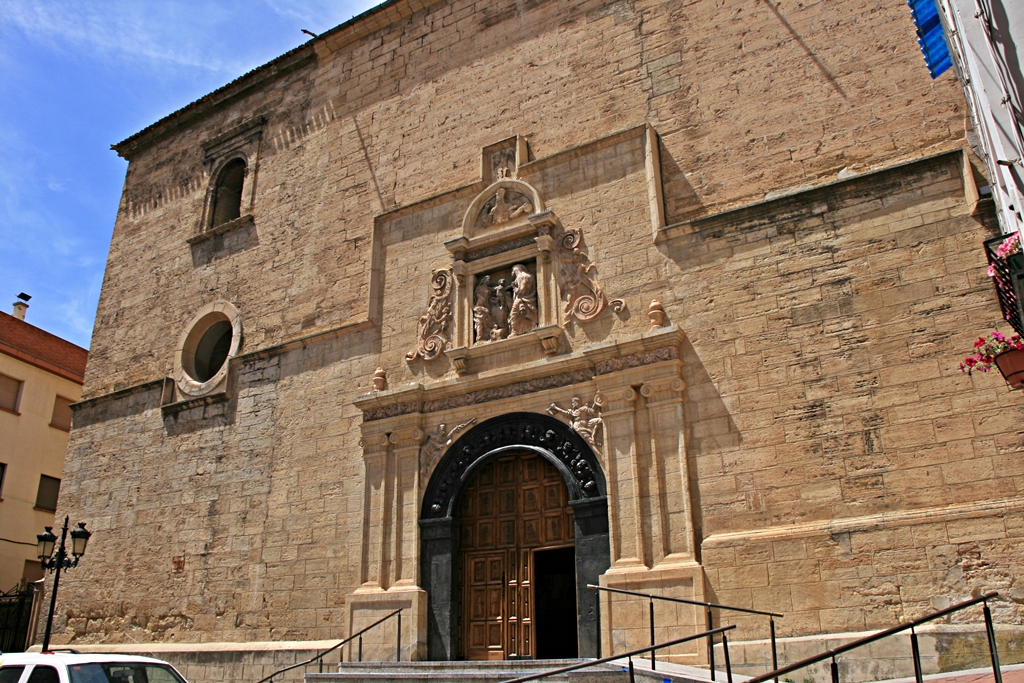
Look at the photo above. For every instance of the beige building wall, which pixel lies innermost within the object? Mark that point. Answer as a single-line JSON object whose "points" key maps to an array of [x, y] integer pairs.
{"points": [[30, 447], [788, 183]]}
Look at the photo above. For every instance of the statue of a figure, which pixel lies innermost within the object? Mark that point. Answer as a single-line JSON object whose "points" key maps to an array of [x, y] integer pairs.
{"points": [[583, 419], [522, 315], [435, 444], [501, 301], [482, 321], [503, 211]]}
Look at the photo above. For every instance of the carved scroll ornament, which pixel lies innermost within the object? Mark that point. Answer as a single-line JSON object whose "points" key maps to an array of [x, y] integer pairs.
{"points": [[584, 297], [433, 335]]}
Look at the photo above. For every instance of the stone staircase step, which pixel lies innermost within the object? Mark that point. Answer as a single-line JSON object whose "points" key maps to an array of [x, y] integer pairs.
{"points": [[464, 672], [497, 671]]}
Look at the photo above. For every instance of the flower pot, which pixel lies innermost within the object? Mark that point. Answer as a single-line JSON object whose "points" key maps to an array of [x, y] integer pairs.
{"points": [[1011, 364]]}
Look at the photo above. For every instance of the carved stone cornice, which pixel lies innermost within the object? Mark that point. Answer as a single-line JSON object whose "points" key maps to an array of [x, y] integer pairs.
{"points": [[656, 346], [392, 410], [532, 386], [636, 360], [643, 359]]}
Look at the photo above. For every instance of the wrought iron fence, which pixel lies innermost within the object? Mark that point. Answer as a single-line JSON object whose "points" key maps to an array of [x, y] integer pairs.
{"points": [[16, 618]]}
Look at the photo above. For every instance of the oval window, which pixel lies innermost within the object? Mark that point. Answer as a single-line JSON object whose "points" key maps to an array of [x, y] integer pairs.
{"points": [[210, 340]]}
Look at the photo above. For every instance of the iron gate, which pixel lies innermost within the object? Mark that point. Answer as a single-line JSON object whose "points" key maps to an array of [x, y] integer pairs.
{"points": [[15, 618]]}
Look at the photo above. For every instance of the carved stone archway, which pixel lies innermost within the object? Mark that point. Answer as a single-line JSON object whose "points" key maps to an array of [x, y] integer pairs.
{"points": [[585, 481]]}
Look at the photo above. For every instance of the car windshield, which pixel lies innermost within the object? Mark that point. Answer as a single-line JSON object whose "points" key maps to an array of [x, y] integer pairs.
{"points": [[123, 672]]}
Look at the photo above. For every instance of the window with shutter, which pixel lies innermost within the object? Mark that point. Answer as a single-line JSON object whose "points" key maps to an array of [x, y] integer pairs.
{"points": [[61, 414], [10, 392], [49, 489]]}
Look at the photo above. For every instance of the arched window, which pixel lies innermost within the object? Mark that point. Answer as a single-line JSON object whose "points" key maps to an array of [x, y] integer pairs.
{"points": [[227, 195]]}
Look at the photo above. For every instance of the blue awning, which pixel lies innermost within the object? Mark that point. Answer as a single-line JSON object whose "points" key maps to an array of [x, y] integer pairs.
{"points": [[930, 36]]}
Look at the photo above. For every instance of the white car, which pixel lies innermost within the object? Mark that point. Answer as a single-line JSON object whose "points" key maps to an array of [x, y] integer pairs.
{"points": [[70, 667]]}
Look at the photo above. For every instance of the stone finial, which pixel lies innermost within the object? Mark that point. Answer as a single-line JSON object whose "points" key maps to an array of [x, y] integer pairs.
{"points": [[656, 314], [380, 380]]}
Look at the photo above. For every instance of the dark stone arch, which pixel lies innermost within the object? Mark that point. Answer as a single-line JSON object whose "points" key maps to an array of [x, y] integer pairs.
{"points": [[439, 539]]}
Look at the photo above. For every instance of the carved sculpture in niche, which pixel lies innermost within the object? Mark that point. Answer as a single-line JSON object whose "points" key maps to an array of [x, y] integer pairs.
{"points": [[500, 302], [432, 335], [583, 419], [504, 310], [584, 297], [482, 321], [523, 316], [504, 206], [435, 444]]}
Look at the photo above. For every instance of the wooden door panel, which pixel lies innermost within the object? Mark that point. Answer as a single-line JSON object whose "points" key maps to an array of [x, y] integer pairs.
{"points": [[514, 505]]}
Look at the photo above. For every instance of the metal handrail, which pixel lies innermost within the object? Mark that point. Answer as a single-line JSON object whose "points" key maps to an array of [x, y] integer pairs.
{"points": [[359, 635], [708, 606], [918, 674], [629, 655]]}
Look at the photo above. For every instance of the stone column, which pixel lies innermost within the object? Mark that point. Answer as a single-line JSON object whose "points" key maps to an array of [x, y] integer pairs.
{"points": [[618, 410], [390, 554], [671, 511], [375, 457], [463, 337], [405, 455], [547, 290]]}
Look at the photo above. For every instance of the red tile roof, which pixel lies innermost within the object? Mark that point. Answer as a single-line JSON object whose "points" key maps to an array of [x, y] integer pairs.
{"points": [[37, 347]]}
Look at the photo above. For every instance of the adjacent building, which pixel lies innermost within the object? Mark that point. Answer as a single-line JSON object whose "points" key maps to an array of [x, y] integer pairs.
{"points": [[40, 376], [460, 307]]}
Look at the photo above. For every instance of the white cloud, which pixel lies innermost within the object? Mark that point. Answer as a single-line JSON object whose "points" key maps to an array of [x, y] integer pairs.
{"points": [[171, 33]]}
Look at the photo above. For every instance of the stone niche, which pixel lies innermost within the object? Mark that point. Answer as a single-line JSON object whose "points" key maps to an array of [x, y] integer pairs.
{"points": [[506, 298]]}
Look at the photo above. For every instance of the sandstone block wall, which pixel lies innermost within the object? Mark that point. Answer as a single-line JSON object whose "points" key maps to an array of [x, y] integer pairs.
{"points": [[841, 470]]}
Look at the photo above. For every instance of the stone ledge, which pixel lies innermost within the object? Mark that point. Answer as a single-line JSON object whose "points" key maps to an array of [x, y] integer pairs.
{"points": [[208, 399], [239, 223], [881, 520]]}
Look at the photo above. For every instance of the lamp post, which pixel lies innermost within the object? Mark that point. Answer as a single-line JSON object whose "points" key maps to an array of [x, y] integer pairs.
{"points": [[45, 543]]}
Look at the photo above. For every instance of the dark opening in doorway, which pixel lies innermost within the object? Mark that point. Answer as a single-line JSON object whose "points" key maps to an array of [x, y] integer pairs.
{"points": [[554, 601]]}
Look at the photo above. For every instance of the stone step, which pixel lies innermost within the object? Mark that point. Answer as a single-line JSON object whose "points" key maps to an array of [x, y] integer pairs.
{"points": [[463, 672], [497, 671]]}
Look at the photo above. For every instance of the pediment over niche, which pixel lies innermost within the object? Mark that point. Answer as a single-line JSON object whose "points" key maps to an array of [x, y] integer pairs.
{"points": [[501, 212]]}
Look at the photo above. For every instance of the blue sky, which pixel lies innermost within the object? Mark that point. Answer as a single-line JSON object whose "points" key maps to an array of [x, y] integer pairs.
{"points": [[79, 75]]}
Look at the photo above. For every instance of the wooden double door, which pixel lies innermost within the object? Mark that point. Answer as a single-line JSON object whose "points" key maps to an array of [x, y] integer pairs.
{"points": [[517, 562]]}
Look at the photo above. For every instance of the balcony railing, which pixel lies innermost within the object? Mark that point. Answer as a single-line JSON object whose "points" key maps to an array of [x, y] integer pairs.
{"points": [[1007, 276]]}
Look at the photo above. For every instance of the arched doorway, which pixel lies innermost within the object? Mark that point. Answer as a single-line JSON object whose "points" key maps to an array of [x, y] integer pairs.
{"points": [[561, 453], [517, 573]]}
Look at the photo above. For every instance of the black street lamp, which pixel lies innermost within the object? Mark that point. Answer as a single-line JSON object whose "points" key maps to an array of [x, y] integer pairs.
{"points": [[45, 543]]}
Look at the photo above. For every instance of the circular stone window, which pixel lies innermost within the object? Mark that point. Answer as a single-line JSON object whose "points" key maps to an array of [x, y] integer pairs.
{"points": [[208, 342]]}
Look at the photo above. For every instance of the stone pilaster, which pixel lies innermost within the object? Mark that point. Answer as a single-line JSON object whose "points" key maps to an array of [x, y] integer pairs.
{"points": [[375, 461], [405, 455], [618, 410], [669, 482], [463, 337]]}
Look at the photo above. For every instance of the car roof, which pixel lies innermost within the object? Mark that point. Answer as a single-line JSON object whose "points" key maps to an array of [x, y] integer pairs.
{"points": [[69, 658]]}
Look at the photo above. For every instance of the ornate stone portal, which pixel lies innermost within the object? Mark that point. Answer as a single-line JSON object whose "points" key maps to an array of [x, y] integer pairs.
{"points": [[499, 312], [633, 494]]}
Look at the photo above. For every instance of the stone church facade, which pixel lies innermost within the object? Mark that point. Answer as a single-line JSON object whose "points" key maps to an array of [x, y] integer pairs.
{"points": [[461, 307]]}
